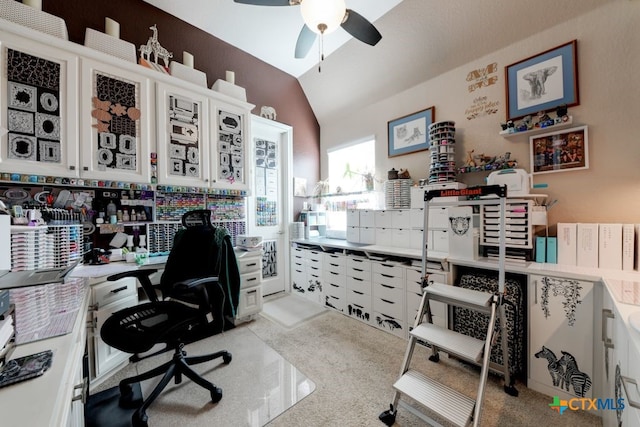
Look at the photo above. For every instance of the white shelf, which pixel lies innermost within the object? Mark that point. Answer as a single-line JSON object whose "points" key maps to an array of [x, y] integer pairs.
{"points": [[513, 135]]}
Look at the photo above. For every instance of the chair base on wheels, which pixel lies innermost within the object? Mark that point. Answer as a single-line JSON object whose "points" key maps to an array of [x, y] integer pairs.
{"points": [[178, 366]]}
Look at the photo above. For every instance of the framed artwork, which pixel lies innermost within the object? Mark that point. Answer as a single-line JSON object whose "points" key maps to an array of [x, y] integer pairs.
{"points": [[410, 133], [560, 151], [543, 82]]}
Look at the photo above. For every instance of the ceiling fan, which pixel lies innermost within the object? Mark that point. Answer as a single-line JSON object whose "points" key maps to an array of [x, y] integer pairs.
{"points": [[323, 17]]}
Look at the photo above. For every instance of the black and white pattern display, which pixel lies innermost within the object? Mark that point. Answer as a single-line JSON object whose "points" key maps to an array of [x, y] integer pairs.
{"points": [[184, 148], [269, 259], [230, 147], [266, 185], [116, 110], [33, 108], [475, 324]]}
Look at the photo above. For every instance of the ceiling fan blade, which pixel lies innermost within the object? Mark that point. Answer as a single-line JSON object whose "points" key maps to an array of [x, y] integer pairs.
{"points": [[358, 26], [265, 2], [306, 38]]}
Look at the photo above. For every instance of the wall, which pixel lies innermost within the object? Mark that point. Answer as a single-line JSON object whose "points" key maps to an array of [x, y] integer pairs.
{"points": [[265, 85], [609, 191]]}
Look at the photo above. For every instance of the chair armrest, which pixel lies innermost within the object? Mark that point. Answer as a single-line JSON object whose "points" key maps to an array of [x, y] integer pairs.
{"points": [[143, 277], [192, 283], [198, 287]]}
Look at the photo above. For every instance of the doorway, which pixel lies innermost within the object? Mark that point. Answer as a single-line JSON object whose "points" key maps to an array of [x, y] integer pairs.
{"points": [[270, 205]]}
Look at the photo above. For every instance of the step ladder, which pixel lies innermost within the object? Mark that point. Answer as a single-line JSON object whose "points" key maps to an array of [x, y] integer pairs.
{"points": [[438, 398]]}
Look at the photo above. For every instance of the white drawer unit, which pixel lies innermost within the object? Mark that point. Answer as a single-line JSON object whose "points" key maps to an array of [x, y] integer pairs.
{"points": [[383, 218], [368, 235], [250, 299], [518, 224], [106, 299], [353, 234], [400, 237], [401, 218], [388, 297], [367, 218], [359, 304], [335, 281], [353, 218]]}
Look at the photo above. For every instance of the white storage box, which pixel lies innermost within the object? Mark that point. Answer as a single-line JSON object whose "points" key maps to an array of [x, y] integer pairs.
{"points": [[248, 241]]}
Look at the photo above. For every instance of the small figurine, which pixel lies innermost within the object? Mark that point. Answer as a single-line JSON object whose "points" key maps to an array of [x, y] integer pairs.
{"points": [[469, 162], [561, 111]]}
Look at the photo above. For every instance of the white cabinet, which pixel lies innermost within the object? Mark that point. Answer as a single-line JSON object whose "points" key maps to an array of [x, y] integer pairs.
{"points": [[183, 136], [388, 297], [359, 302], [106, 299], [250, 267], [335, 281], [115, 123], [230, 139], [39, 108], [561, 336], [307, 273]]}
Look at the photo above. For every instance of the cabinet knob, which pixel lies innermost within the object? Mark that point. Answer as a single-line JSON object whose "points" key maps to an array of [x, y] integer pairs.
{"points": [[85, 168], [72, 167]]}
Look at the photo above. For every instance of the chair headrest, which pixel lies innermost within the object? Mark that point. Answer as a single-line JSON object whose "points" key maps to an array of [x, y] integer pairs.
{"points": [[197, 218]]}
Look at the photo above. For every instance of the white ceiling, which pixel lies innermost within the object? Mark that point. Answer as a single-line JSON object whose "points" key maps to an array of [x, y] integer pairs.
{"points": [[420, 40]]}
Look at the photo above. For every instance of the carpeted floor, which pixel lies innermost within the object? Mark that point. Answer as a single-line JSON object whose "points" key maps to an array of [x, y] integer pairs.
{"points": [[353, 366]]}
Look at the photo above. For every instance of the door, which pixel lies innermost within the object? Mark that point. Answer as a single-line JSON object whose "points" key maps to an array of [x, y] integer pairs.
{"points": [[270, 205]]}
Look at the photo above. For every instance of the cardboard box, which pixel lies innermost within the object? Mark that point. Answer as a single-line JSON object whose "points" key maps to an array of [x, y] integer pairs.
{"points": [[567, 243], [587, 245], [610, 246]]}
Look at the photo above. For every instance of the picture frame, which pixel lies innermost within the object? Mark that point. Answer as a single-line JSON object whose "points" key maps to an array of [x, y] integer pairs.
{"points": [[559, 151], [543, 82], [410, 133]]}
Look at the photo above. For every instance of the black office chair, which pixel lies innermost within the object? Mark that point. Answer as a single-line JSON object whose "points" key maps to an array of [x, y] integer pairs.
{"points": [[202, 271]]}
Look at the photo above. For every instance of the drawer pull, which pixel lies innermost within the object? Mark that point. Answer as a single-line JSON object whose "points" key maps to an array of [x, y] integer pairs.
{"points": [[84, 388], [387, 275], [334, 265], [334, 273], [387, 286], [252, 264], [359, 293], [335, 286], [626, 380], [252, 279], [606, 314], [358, 269], [115, 291], [387, 265], [387, 301], [359, 280]]}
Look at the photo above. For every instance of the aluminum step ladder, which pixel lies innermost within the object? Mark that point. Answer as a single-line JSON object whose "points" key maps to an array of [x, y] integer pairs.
{"points": [[440, 399]]}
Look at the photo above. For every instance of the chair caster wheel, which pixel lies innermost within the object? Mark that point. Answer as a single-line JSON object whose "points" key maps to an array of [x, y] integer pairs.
{"points": [[388, 417], [216, 395], [434, 358], [226, 358], [139, 419]]}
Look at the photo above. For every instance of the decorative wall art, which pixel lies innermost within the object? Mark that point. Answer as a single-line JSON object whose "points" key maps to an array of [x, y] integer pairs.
{"points": [[33, 108], [116, 114], [230, 147], [482, 77], [409, 134], [564, 150], [266, 189], [184, 145], [543, 82]]}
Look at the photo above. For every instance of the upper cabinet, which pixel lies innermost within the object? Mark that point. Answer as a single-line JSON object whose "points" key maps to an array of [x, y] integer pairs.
{"points": [[70, 111], [183, 134], [38, 108], [115, 123]]}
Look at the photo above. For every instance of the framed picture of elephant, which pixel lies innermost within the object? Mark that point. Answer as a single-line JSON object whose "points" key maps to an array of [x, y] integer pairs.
{"points": [[543, 82]]}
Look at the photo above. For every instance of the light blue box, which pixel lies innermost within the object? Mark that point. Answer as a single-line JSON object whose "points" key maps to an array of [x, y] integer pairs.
{"points": [[541, 249], [552, 250]]}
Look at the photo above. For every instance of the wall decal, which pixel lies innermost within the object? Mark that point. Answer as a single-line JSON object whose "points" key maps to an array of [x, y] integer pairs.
{"points": [[481, 107], [33, 107], [269, 258], [483, 77], [569, 289], [565, 372]]}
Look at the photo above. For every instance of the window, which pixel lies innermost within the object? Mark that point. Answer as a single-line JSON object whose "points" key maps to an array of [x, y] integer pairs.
{"points": [[351, 171], [350, 166]]}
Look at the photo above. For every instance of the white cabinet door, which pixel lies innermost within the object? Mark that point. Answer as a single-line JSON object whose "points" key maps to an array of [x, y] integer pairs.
{"points": [[230, 146], [38, 109], [115, 123], [107, 357], [561, 336], [182, 119]]}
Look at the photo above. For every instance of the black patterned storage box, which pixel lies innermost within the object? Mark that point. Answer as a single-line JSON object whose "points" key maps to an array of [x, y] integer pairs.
{"points": [[475, 324]]}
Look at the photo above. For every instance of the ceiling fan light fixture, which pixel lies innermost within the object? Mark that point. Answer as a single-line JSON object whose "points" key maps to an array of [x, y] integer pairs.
{"points": [[323, 16]]}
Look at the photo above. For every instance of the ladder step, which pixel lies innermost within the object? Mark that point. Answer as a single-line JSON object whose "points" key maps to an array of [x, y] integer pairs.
{"points": [[442, 400], [450, 341], [457, 296]]}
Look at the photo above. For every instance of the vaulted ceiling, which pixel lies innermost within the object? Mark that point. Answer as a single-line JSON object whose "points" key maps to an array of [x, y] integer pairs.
{"points": [[420, 40]]}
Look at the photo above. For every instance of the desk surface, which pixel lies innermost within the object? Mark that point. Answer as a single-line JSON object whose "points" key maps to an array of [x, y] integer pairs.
{"points": [[46, 400]]}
